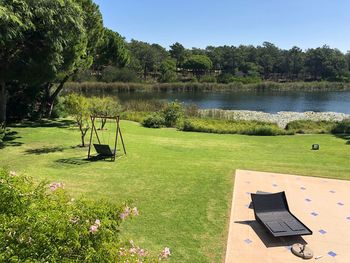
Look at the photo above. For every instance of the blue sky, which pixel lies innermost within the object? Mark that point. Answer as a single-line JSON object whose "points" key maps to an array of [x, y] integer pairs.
{"points": [[199, 23]]}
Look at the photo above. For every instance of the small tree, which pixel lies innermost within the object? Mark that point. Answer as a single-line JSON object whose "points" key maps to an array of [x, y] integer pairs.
{"points": [[107, 106], [78, 107]]}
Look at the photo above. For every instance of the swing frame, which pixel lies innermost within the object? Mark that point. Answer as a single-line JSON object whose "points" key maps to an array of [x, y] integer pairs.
{"points": [[118, 132]]}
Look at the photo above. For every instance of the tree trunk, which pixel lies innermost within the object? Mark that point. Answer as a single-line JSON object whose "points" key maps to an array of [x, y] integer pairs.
{"points": [[3, 103], [51, 98]]}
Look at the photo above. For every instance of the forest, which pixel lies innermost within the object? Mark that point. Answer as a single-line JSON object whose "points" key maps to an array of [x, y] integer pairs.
{"points": [[226, 64]]}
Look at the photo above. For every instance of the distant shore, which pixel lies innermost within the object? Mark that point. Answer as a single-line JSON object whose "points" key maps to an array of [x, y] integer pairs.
{"points": [[117, 87], [281, 118]]}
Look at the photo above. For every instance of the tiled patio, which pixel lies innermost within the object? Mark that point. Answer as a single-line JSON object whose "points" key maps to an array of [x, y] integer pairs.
{"points": [[322, 204]]}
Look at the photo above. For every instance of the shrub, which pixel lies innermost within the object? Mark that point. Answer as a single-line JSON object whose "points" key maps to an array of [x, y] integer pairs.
{"points": [[173, 113], [342, 127], [208, 79], [137, 116], [233, 127], [44, 224], [155, 120], [59, 110], [310, 127]]}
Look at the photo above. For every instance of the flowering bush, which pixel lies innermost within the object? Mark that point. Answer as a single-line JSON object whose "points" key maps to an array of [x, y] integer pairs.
{"points": [[42, 223]]}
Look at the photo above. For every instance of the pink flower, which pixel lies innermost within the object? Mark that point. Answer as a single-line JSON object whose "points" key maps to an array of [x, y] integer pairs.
{"points": [[122, 216], [55, 186], [97, 222], [142, 252], [93, 229], [133, 250], [165, 253]]}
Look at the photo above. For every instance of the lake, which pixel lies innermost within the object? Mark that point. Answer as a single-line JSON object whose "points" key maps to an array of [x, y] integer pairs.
{"points": [[266, 101]]}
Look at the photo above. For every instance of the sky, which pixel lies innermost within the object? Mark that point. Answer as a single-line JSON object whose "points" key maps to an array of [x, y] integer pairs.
{"points": [[199, 23]]}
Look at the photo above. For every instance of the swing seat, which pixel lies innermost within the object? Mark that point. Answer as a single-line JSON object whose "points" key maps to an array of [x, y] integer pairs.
{"points": [[104, 150]]}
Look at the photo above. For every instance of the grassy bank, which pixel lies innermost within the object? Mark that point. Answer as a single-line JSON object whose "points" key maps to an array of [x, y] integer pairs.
{"points": [[181, 182], [114, 88]]}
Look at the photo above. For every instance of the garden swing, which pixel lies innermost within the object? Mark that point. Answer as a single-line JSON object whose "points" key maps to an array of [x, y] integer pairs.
{"points": [[102, 147]]}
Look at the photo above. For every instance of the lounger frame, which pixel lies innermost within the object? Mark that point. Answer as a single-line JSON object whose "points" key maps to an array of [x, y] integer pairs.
{"points": [[272, 212]]}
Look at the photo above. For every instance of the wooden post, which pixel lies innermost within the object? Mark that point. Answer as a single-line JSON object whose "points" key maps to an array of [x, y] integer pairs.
{"points": [[90, 141], [121, 138]]}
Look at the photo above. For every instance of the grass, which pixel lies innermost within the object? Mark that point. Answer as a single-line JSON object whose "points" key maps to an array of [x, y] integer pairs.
{"points": [[181, 182], [103, 88]]}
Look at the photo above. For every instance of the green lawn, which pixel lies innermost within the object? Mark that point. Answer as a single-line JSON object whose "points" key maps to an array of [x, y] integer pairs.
{"points": [[181, 182]]}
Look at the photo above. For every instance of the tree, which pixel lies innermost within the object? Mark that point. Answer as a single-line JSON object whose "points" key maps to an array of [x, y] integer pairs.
{"points": [[41, 38], [177, 51], [326, 63], [79, 107], [198, 64], [168, 70], [268, 57], [76, 59], [148, 56], [112, 51]]}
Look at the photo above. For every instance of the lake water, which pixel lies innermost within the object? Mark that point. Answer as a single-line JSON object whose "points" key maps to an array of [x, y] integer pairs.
{"points": [[267, 101]]}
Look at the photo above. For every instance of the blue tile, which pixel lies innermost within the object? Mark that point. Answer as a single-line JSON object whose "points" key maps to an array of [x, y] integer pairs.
{"points": [[314, 214], [308, 200], [302, 188], [322, 232], [340, 203], [248, 241], [332, 254]]}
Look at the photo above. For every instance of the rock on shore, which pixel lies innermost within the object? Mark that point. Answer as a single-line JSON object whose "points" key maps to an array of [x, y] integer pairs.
{"points": [[282, 118]]}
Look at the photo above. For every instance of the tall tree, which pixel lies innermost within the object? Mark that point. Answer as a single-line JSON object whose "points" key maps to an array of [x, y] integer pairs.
{"points": [[36, 38], [269, 56], [76, 59], [198, 64], [112, 51], [177, 51], [326, 63], [149, 56]]}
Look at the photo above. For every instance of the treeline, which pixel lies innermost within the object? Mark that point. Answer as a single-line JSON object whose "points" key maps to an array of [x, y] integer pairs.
{"points": [[225, 64]]}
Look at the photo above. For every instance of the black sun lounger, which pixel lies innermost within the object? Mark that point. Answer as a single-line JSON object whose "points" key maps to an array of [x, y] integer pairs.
{"points": [[104, 150], [272, 212]]}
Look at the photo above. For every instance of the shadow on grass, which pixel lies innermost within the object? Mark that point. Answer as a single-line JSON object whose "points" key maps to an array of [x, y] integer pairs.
{"points": [[82, 160], [268, 239], [345, 137], [9, 140], [44, 123], [45, 150]]}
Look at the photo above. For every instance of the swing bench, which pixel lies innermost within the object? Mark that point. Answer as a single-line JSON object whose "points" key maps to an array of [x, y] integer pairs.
{"points": [[103, 150]]}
